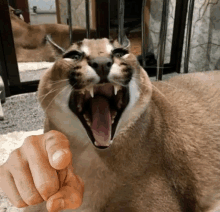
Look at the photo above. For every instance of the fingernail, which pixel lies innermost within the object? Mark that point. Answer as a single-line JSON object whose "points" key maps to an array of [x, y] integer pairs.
{"points": [[58, 154], [58, 204]]}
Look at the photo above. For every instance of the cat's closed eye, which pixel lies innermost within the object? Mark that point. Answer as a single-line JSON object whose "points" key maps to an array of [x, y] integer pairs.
{"points": [[119, 52], [75, 55]]}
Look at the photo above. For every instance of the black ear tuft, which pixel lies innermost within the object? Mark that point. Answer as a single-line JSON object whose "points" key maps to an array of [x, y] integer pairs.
{"points": [[125, 44], [48, 38]]}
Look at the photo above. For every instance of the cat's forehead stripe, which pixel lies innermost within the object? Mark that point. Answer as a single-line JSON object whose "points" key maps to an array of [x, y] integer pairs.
{"points": [[99, 46], [109, 48], [86, 50]]}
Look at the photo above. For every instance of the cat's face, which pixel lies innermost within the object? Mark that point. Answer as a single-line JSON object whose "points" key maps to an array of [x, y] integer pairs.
{"points": [[102, 85]]}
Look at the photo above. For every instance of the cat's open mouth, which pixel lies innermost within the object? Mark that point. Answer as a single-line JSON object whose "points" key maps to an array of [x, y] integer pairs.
{"points": [[99, 108]]}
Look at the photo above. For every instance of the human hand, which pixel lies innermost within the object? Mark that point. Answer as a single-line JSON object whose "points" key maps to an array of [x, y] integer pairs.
{"points": [[41, 170]]}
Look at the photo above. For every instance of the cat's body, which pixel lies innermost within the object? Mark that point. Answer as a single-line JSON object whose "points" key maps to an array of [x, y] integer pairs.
{"points": [[165, 154]]}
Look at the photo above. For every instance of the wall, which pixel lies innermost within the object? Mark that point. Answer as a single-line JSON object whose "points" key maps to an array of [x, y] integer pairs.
{"points": [[43, 18], [46, 6], [78, 12], [205, 40]]}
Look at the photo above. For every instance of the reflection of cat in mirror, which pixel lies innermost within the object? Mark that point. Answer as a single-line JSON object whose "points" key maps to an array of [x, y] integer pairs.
{"points": [[31, 41]]}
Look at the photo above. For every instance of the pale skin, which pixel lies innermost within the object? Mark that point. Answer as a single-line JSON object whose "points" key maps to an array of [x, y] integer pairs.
{"points": [[41, 170]]}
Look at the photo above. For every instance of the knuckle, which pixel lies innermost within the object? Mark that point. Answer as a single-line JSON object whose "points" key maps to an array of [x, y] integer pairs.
{"points": [[34, 199], [29, 194], [15, 161], [15, 154], [2, 170], [80, 184], [80, 180], [30, 141], [19, 203], [78, 200], [46, 190]]}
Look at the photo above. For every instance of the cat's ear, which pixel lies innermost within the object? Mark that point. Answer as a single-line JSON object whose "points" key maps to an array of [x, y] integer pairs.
{"points": [[125, 45], [58, 48]]}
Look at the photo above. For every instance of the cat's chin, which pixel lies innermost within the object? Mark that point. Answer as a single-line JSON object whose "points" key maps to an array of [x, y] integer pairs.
{"points": [[99, 108]]}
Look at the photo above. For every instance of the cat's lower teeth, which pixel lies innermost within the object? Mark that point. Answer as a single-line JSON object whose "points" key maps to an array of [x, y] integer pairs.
{"points": [[87, 120], [79, 107], [114, 113]]}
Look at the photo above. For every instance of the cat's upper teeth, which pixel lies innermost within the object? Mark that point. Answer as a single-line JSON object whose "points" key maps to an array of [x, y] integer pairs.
{"points": [[82, 91], [116, 89]]}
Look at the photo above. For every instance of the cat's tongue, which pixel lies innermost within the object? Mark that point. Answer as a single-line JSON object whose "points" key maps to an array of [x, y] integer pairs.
{"points": [[101, 120]]}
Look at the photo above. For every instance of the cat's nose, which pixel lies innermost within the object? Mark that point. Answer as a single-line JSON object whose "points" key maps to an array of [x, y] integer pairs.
{"points": [[102, 66]]}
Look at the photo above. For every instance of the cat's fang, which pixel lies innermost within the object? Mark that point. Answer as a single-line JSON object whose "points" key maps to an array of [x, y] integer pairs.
{"points": [[116, 89], [91, 91]]}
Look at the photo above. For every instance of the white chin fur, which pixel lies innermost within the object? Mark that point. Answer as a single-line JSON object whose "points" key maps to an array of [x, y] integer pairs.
{"points": [[65, 120], [91, 73], [130, 112], [114, 71]]}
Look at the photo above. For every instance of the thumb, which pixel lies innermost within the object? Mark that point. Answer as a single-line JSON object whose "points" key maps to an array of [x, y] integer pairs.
{"points": [[70, 195]]}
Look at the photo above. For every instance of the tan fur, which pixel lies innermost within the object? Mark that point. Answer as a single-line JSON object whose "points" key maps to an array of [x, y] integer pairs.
{"points": [[165, 154], [29, 39]]}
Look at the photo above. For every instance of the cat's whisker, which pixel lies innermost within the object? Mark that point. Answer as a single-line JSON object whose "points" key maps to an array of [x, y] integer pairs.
{"points": [[152, 67], [55, 82], [170, 85], [156, 89], [59, 81], [45, 95], [65, 87], [119, 83], [164, 82]]}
